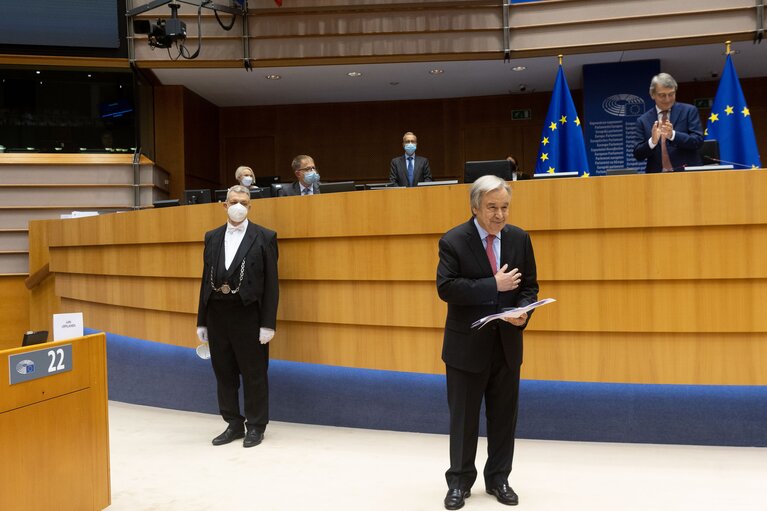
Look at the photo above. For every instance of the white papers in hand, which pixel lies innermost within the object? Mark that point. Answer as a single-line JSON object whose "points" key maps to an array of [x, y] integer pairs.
{"points": [[513, 312]]}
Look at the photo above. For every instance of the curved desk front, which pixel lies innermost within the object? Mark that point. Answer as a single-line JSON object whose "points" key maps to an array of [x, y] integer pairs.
{"points": [[659, 278]]}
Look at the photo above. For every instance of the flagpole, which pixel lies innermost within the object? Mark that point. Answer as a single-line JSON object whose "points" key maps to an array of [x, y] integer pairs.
{"points": [[726, 51], [560, 56]]}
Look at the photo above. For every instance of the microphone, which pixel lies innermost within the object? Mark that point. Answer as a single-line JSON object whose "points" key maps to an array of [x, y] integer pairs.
{"points": [[725, 162]]}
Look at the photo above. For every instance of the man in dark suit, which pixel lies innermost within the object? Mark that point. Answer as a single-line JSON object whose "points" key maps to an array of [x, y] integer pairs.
{"points": [[485, 266], [237, 315], [669, 134], [307, 178], [409, 170]]}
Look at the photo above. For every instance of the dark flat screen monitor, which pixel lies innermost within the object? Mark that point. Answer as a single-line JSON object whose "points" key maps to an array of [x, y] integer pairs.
{"points": [[255, 193], [339, 186], [709, 152], [166, 203], [197, 196], [31, 338], [473, 170]]}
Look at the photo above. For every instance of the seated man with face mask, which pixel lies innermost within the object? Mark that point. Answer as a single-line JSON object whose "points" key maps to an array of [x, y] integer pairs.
{"points": [[245, 177], [308, 179]]}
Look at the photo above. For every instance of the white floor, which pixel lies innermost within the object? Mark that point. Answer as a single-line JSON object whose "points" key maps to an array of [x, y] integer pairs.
{"points": [[163, 460]]}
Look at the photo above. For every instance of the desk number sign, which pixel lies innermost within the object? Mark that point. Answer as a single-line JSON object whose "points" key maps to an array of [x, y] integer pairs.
{"points": [[32, 365]]}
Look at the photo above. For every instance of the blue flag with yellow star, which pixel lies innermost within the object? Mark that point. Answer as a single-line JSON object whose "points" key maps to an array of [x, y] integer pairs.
{"points": [[730, 123], [562, 148]]}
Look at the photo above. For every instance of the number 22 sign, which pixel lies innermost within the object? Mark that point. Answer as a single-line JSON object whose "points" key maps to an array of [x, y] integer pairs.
{"points": [[32, 365]]}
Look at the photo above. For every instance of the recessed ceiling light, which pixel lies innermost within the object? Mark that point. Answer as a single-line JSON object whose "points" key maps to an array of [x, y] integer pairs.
{"points": [[436, 71], [37, 72], [273, 77], [354, 74], [518, 68], [89, 76]]}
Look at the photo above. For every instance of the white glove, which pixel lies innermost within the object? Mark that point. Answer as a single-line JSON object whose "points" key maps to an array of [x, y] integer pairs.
{"points": [[265, 335], [202, 333]]}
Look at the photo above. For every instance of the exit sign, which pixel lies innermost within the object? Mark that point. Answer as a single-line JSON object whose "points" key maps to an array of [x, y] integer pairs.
{"points": [[703, 102], [521, 115]]}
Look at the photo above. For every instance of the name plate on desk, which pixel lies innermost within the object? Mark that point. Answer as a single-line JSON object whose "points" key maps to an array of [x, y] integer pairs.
{"points": [[32, 365]]}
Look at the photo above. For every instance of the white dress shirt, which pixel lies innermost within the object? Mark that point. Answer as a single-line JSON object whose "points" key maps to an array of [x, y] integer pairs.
{"points": [[232, 240]]}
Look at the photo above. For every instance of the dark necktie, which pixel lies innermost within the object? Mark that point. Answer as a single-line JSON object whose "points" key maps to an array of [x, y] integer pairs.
{"points": [[664, 159], [490, 252], [305, 191], [410, 170]]}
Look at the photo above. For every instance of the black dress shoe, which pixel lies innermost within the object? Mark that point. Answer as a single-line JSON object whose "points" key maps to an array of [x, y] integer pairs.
{"points": [[505, 494], [455, 498], [229, 435], [252, 438]]}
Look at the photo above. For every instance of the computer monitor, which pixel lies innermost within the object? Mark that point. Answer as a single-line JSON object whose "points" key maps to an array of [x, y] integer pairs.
{"points": [[276, 189], [438, 183], [339, 186], [255, 193], [709, 152], [473, 170], [266, 181], [166, 203], [197, 196], [378, 186], [31, 337]]}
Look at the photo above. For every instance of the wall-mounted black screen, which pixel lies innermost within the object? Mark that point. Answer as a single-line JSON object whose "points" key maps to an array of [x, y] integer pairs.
{"points": [[78, 23]]}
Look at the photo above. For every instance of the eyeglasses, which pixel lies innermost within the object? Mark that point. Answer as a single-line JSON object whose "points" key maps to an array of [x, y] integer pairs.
{"points": [[306, 169]]}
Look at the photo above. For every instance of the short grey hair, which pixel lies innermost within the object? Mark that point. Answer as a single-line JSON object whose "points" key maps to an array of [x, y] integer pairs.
{"points": [[663, 80], [296, 164], [486, 184], [237, 189], [241, 170]]}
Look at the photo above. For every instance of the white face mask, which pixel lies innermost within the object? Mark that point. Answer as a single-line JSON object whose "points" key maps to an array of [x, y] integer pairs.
{"points": [[237, 212], [247, 181]]}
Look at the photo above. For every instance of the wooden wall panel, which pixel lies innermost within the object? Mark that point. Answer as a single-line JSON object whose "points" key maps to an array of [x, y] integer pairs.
{"points": [[14, 310], [659, 278], [669, 358]]}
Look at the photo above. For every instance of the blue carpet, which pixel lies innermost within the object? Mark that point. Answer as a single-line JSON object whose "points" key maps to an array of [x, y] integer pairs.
{"points": [[161, 375]]}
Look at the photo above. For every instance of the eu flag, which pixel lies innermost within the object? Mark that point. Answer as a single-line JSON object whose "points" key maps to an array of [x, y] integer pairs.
{"points": [[730, 122], [562, 148]]}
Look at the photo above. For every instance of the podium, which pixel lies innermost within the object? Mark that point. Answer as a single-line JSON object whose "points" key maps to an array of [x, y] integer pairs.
{"points": [[54, 435]]}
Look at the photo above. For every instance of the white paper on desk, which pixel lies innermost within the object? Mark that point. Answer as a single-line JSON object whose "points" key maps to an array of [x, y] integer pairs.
{"points": [[514, 312], [67, 326]]}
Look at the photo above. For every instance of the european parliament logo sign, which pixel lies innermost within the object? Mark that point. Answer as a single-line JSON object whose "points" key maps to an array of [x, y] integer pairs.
{"points": [[611, 108], [624, 105]]}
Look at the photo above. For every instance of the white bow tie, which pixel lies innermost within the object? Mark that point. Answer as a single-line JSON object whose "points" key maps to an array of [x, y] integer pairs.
{"points": [[233, 230]]}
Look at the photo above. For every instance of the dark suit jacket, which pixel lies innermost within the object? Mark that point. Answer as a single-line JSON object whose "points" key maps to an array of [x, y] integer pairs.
{"points": [[683, 150], [398, 170], [259, 283], [294, 188], [466, 282]]}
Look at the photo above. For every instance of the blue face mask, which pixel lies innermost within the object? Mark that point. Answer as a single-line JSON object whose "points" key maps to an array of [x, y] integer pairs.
{"points": [[410, 148], [312, 177]]}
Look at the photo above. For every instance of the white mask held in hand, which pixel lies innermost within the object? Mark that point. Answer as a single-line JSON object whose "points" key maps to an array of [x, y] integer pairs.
{"points": [[237, 212]]}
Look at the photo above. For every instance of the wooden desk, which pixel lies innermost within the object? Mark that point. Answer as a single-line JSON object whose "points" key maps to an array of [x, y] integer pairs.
{"points": [[659, 278], [54, 433]]}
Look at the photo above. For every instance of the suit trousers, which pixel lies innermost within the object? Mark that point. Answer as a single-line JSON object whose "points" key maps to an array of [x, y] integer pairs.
{"points": [[499, 385], [235, 351]]}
